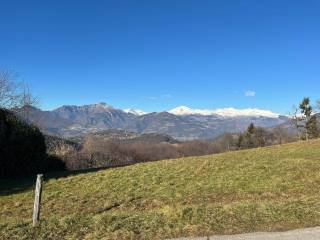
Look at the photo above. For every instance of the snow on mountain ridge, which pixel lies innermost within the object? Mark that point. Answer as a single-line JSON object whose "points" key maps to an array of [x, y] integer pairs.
{"points": [[183, 110], [224, 112], [136, 112], [232, 112]]}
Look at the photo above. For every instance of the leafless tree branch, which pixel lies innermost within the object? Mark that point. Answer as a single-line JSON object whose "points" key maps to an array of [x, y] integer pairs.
{"points": [[14, 94]]}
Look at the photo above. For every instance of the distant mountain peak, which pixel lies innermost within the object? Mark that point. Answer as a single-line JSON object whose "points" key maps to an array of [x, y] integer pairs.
{"points": [[136, 112], [224, 112], [248, 112], [183, 110], [100, 105], [183, 122]]}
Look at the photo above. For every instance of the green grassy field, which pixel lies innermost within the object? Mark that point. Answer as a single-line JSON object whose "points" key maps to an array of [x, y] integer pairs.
{"points": [[266, 189]]}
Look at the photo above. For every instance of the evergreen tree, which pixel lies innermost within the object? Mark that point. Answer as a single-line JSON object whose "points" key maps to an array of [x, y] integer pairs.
{"points": [[312, 128], [251, 129], [250, 135], [306, 111], [305, 107], [240, 141], [307, 122]]}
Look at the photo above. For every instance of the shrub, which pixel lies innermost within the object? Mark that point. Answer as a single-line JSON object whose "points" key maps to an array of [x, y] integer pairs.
{"points": [[22, 148]]}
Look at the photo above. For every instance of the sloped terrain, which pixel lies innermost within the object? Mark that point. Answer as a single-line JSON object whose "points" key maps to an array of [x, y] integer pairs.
{"points": [[265, 189]]}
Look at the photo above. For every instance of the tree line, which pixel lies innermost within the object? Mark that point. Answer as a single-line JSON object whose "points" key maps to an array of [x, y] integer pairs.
{"points": [[96, 153]]}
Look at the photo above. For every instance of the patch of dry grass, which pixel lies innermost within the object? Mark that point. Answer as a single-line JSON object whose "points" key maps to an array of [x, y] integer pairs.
{"points": [[266, 189]]}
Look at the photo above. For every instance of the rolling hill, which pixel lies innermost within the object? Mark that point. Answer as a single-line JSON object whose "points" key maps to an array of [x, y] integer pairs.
{"points": [[264, 189]]}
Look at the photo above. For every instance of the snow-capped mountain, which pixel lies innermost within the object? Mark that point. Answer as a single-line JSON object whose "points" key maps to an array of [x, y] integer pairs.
{"points": [[136, 112], [181, 122], [224, 112], [183, 110], [249, 112]]}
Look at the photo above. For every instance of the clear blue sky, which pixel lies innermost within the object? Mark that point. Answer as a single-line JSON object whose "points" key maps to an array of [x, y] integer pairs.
{"points": [[156, 55]]}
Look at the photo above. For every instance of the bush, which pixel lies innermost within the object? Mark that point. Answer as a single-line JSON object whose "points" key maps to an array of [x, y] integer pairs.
{"points": [[22, 148]]}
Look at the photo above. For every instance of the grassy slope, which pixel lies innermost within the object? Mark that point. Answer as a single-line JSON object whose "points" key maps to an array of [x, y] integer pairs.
{"points": [[266, 189]]}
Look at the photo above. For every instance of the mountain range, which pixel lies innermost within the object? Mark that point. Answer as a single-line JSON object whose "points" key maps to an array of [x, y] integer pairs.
{"points": [[182, 123]]}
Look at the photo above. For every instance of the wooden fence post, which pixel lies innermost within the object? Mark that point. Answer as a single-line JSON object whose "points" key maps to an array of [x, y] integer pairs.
{"points": [[37, 200]]}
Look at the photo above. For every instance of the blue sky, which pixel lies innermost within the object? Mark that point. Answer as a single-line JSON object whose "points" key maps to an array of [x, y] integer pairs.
{"points": [[156, 55]]}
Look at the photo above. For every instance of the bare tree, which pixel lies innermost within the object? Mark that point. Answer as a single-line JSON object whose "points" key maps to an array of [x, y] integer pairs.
{"points": [[14, 94], [8, 89], [296, 120]]}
